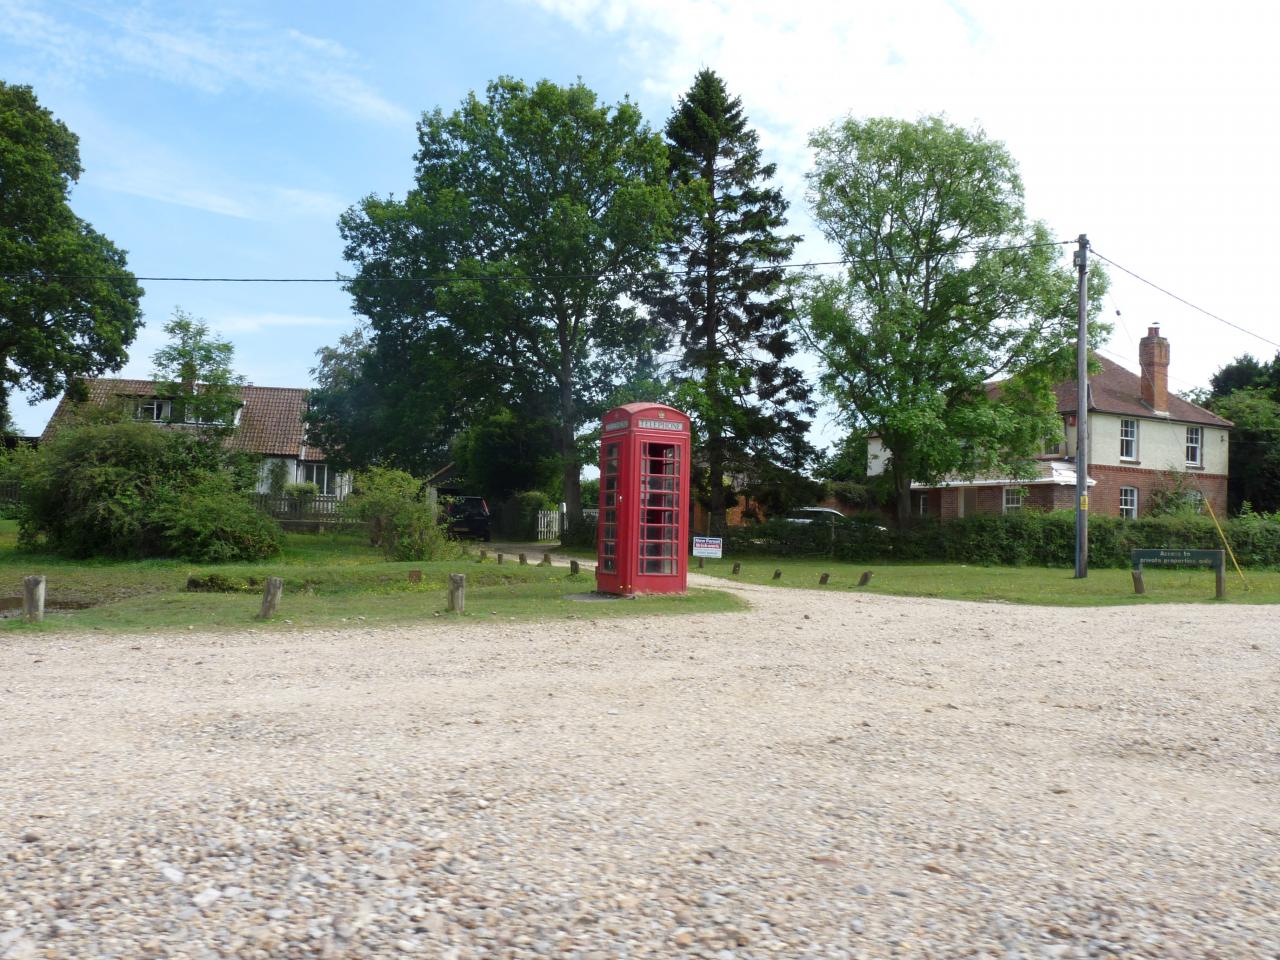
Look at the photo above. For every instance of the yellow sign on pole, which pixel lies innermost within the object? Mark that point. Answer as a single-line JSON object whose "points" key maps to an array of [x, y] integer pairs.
{"points": [[1084, 501]]}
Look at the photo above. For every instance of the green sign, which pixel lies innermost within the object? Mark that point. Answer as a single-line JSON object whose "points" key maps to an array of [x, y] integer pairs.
{"points": [[1178, 558]]}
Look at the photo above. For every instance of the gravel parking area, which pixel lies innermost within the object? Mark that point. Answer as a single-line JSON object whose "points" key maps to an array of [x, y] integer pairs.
{"points": [[826, 775]]}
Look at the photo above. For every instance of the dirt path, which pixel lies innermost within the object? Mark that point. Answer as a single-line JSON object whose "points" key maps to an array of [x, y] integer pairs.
{"points": [[825, 775]]}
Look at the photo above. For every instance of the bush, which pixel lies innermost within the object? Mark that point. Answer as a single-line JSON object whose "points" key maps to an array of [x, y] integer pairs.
{"points": [[303, 494], [212, 522], [1026, 538], [135, 490], [517, 518], [403, 517]]}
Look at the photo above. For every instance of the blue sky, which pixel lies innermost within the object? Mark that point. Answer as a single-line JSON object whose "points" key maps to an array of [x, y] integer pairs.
{"points": [[225, 140]]}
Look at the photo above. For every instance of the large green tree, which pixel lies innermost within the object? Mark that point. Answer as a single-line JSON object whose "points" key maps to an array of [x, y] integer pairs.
{"points": [[68, 305], [194, 372], [727, 296], [388, 399], [1247, 392], [521, 252], [948, 286]]}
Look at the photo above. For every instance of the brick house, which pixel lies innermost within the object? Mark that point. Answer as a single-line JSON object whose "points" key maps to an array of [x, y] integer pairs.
{"points": [[268, 422], [1142, 439]]}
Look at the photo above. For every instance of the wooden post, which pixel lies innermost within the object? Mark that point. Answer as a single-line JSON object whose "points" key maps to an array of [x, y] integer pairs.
{"points": [[523, 560], [546, 560], [737, 569], [573, 568], [777, 574], [1220, 588], [865, 578], [499, 558], [33, 598], [1138, 586], [484, 555], [271, 597], [457, 592], [700, 563], [822, 580]]}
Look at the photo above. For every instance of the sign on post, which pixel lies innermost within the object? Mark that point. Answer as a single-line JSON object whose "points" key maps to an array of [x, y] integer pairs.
{"points": [[1181, 558], [710, 547]]}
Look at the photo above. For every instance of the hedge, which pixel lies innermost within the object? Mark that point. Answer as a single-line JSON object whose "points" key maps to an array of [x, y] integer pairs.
{"points": [[1028, 538]]}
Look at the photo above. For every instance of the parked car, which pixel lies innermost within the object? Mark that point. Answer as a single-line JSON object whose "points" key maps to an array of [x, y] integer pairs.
{"points": [[469, 517], [811, 514], [834, 517]]}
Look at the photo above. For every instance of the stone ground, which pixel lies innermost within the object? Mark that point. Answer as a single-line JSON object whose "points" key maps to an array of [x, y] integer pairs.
{"points": [[827, 775]]}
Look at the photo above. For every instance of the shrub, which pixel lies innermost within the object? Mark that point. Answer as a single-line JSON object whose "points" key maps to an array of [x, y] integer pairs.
{"points": [[212, 522], [403, 517], [518, 516], [1027, 537], [303, 494], [277, 477], [134, 490]]}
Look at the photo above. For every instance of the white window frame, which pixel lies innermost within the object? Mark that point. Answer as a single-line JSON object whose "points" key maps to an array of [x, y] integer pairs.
{"points": [[924, 504], [1195, 448], [1131, 440], [1013, 499], [161, 410], [1129, 512], [320, 469]]}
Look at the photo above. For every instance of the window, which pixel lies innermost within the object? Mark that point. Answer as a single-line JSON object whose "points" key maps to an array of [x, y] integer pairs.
{"points": [[1128, 439], [155, 410], [924, 504], [320, 475], [1012, 499], [659, 507], [1194, 446], [1129, 502], [608, 558]]}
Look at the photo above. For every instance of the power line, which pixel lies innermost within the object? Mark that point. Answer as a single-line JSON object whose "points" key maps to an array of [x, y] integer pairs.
{"points": [[1183, 300], [532, 278]]}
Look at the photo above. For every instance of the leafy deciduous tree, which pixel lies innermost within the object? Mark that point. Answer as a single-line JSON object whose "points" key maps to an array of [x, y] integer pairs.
{"points": [[727, 299], [193, 370], [520, 251], [948, 287], [68, 305]]}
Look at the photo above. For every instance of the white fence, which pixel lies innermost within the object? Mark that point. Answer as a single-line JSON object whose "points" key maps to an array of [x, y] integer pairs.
{"points": [[548, 525]]}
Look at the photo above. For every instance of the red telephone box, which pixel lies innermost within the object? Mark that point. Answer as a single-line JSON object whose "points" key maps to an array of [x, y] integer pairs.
{"points": [[644, 501]]}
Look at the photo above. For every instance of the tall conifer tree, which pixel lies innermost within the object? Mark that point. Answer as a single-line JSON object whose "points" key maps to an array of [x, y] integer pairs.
{"points": [[728, 300]]}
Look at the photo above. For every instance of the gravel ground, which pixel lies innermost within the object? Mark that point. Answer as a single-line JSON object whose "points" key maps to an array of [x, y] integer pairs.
{"points": [[827, 775]]}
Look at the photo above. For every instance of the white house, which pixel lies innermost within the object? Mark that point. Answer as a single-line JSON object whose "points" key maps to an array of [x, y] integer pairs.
{"points": [[268, 422]]}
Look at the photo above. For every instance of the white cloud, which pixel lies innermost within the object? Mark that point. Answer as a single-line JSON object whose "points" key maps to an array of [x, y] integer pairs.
{"points": [[259, 322], [211, 53], [1150, 126]]}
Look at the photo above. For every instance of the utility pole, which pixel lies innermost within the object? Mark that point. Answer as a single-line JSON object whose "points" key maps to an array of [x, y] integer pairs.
{"points": [[1082, 411]]}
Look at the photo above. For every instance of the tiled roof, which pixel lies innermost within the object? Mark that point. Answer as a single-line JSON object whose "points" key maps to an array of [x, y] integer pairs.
{"points": [[1117, 390], [270, 418]]}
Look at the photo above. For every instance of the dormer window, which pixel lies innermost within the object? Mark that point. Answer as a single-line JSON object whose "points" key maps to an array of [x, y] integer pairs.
{"points": [[154, 409]]}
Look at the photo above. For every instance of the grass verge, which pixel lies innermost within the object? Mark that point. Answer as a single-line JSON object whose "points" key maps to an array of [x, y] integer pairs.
{"points": [[1033, 585], [331, 580]]}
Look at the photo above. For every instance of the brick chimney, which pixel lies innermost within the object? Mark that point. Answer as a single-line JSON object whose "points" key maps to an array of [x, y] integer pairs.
{"points": [[1153, 358]]}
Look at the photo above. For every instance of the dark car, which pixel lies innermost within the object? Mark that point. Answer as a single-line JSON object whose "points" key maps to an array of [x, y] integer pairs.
{"points": [[468, 517]]}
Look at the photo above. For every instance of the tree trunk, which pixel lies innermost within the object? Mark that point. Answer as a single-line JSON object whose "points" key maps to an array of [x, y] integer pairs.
{"points": [[569, 442], [902, 491], [715, 478]]}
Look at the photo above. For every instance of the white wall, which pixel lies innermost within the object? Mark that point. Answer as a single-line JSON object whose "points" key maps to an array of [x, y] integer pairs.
{"points": [[1161, 444], [264, 472], [877, 457]]}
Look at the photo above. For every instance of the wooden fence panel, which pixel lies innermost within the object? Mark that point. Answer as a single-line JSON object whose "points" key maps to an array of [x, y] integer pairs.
{"points": [[548, 525]]}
